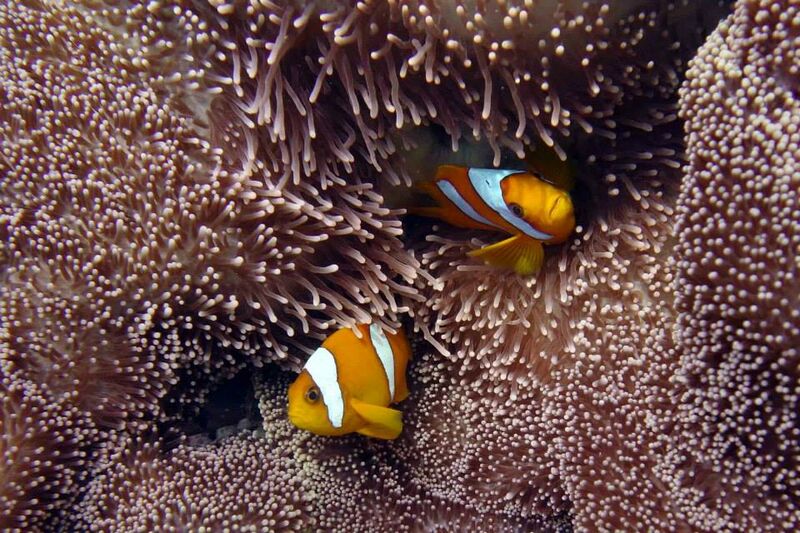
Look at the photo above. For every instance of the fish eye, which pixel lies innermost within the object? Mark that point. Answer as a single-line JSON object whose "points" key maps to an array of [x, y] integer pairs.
{"points": [[516, 209], [312, 395]]}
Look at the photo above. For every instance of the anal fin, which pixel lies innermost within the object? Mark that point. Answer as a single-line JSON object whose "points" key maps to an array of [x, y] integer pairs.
{"points": [[519, 253], [381, 422]]}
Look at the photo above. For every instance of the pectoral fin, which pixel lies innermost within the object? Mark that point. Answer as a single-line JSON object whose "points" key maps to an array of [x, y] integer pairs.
{"points": [[519, 253], [381, 422]]}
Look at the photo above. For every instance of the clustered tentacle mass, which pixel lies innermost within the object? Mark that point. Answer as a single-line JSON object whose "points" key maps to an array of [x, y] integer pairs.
{"points": [[194, 188], [238, 484], [738, 294]]}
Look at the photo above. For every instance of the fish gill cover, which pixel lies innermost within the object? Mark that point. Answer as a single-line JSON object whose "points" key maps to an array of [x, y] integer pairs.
{"points": [[196, 190]]}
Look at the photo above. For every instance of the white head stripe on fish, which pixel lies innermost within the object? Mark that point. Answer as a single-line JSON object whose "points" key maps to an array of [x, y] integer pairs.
{"points": [[385, 354], [454, 196], [322, 368], [486, 182]]}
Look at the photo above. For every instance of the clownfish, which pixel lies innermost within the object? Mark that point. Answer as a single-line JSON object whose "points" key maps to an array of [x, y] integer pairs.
{"points": [[347, 384], [518, 202]]}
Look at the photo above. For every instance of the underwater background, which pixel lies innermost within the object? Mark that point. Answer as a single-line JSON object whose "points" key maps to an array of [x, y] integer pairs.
{"points": [[195, 194]]}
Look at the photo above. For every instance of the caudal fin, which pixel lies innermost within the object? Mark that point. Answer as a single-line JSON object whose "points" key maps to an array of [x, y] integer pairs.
{"points": [[418, 206]]}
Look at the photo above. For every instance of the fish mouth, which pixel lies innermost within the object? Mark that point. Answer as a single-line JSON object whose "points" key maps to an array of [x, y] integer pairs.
{"points": [[295, 418], [298, 422], [561, 207], [554, 206]]}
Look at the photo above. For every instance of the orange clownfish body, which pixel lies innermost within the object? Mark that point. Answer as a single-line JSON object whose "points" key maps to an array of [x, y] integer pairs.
{"points": [[514, 201], [347, 384]]}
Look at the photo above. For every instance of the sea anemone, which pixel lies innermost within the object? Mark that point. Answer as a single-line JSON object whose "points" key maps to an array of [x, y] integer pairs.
{"points": [[430, 479], [624, 140], [235, 484], [193, 190], [738, 294], [42, 459], [134, 254]]}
